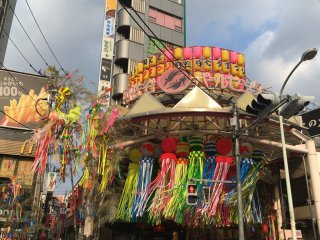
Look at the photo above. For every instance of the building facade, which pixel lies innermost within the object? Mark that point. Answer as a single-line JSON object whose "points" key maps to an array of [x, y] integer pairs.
{"points": [[129, 44], [6, 16]]}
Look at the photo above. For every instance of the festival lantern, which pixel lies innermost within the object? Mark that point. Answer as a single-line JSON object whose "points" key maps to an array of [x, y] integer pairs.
{"points": [[146, 63], [129, 189], [188, 65], [152, 72], [233, 57], [225, 67], [234, 69], [153, 60], [187, 53], [197, 64], [217, 65], [216, 53], [207, 65], [177, 53], [197, 52], [144, 179], [140, 67], [206, 52], [164, 182], [225, 55], [241, 59], [160, 69], [160, 57], [168, 66], [168, 56]]}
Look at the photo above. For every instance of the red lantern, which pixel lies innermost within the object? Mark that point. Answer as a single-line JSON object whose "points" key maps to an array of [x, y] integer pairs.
{"points": [[168, 145], [264, 228], [224, 146]]}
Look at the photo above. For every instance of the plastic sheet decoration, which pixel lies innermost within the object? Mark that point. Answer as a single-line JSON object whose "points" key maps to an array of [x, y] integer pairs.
{"points": [[164, 181], [177, 200], [144, 179]]}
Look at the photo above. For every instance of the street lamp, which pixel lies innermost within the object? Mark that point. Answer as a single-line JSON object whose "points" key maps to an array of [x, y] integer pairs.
{"points": [[307, 55]]}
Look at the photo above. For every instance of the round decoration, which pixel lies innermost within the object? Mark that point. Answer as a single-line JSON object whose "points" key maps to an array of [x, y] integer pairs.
{"points": [[169, 144], [174, 81], [147, 149], [224, 146], [135, 155]]}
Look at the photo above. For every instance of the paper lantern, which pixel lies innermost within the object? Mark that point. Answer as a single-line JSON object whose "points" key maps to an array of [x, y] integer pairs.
{"points": [[168, 145], [225, 55], [146, 74], [241, 72], [152, 72], [210, 148], [206, 52], [146, 63], [216, 53], [207, 65], [188, 65], [196, 143], [234, 69], [224, 146], [197, 52], [240, 59], [217, 65], [197, 64], [177, 53], [160, 69], [187, 53], [153, 61], [140, 67], [168, 56], [233, 57], [168, 65], [225, 67], [160, 57]]}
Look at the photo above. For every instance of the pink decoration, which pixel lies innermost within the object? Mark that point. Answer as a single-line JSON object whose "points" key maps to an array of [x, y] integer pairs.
{"points": [[168, 145], [112, 119], [187, 53], [216, 53], [197, 52], [168, 55], [233, 57]]}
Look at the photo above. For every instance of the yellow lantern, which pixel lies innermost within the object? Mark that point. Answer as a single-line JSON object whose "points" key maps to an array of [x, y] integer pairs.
{"points": [[153, 61], [168, 65], [152, 72], [217, 65], [206, 52], [160, 57], [242, 73], [160, 69], [225, 55], [145, 74], [240, 59], [234, 69], [197, 65], [225, 67], [177, 53], [146, 63], [139, 78], [207, 65], [140, 67], [188, 65]]}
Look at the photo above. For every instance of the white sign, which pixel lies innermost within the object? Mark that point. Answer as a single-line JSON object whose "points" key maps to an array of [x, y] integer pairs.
{"points": [[52, 181]]}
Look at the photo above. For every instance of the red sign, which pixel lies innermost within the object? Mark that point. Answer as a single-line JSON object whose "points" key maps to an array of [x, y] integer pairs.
{"points": [[174, 81]]}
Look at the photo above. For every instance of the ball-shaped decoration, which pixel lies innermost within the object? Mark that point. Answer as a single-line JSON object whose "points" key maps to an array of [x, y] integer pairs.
{"points": [[196, 143], [182, 149], [135, 155], [246, 149], [147, 149], [264, 228], [210, 148], [169, 144], [224, 146], [257, 155]]}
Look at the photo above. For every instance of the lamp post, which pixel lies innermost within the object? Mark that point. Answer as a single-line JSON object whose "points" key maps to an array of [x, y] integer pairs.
{"points": [[307, 55]]}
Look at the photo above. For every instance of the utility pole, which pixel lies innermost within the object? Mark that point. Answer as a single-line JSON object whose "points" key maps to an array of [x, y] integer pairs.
{"points": [[236, 135]]}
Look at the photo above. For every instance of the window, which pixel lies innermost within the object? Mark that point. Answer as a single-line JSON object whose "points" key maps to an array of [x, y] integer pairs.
{"points": [[165, 20], [137, 35], [139, 5]]}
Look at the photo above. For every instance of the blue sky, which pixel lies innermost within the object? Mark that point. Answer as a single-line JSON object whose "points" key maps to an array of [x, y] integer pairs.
{"points": [[272, 34]]}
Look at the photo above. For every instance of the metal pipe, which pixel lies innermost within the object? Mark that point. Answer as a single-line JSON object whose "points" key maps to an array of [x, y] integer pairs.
{"points": [[309, 197], [289, 194], [209, 180], [237, 155], [285, 82], [314, 177]]}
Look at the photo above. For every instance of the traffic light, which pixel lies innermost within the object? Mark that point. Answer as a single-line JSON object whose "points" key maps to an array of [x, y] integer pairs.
{"points": [[295, 104], [263, 104], [192, 194]]}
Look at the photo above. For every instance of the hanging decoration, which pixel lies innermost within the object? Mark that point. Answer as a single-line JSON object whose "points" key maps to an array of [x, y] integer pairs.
{"points": [[144, 179], [129, 189], [164, 181]]}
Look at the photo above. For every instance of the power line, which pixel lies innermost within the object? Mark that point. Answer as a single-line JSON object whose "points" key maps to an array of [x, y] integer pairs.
{"points": [[45, 38], [168, 50], [28, 35], [20, 85], [15, 120], [21, 52]]}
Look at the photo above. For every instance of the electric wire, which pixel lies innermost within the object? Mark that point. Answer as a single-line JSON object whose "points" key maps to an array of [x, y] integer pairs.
{"points": [[15, 120], [180, 68], [28, 35], [34, 18], [21, 52]]}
